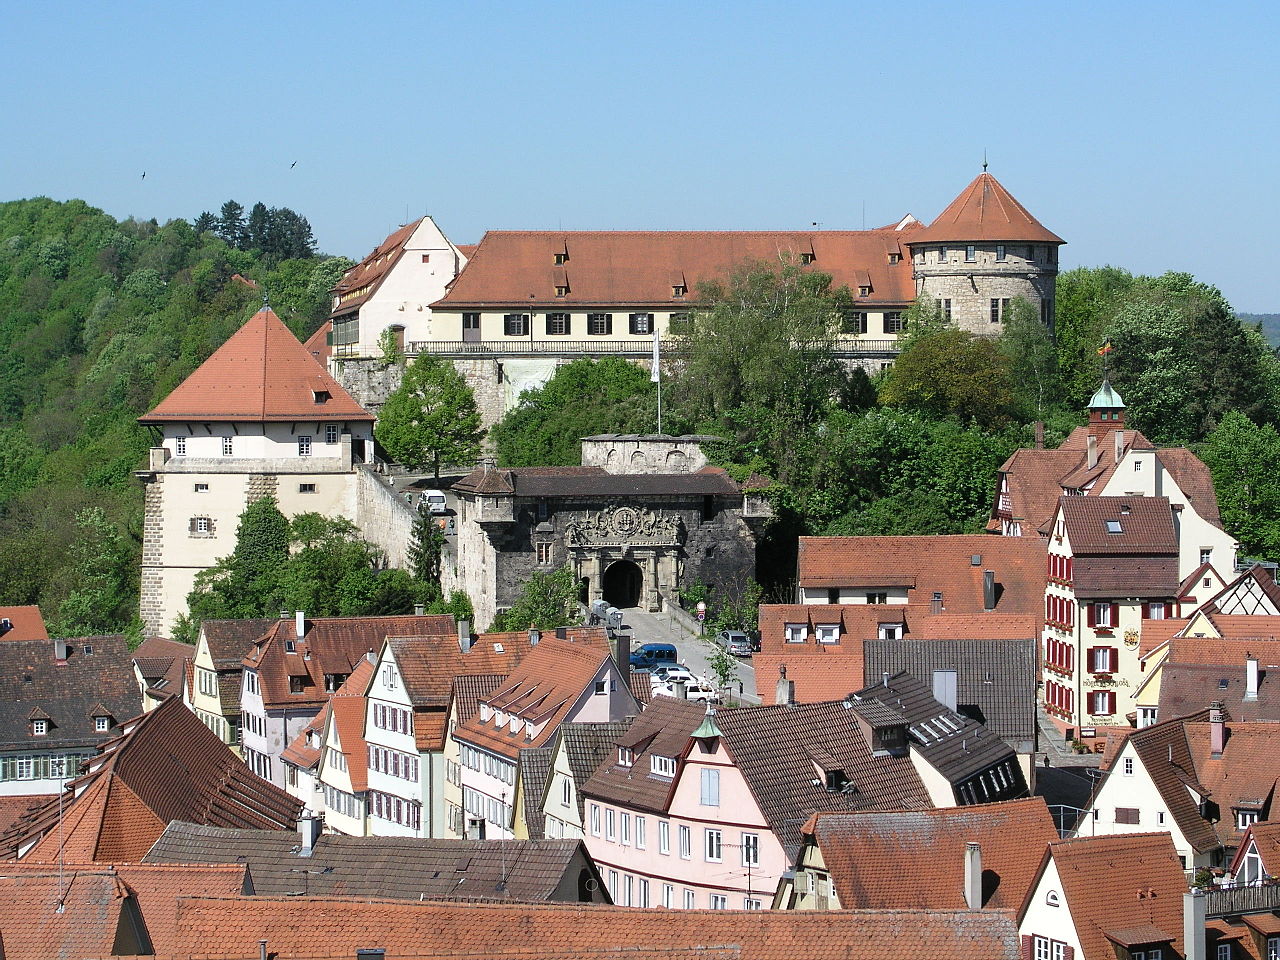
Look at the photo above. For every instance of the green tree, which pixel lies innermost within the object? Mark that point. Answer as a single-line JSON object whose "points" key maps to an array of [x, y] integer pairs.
{"points": [[1033, 358], [205, 223], [103, 598], [1084, 302], [231, 226], [431, 418], [259, 223], [951, 372], [426, 548], [1244, 460], [583, 398], [549, 600]]}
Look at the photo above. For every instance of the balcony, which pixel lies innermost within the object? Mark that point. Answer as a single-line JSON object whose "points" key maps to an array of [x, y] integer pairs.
{"points": [[845, 347], [1239, 899]]}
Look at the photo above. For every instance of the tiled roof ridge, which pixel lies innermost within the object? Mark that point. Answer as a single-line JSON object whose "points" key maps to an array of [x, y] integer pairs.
{"points": [[557, 234]]}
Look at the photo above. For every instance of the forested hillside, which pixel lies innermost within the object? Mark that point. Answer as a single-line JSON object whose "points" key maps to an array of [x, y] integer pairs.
{"points": [[99, 319]]}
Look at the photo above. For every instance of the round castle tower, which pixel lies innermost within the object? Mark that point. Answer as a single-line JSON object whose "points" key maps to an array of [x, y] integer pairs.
{"points": [[981, 252]]}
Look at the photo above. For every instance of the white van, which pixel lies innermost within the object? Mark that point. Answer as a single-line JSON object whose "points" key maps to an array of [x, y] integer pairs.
{"points": [[435, 501]]}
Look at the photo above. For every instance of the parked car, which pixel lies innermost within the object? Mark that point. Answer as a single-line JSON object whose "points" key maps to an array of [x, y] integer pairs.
{"points": [[736, 642], [653, 656], [435, 501], [694, 689], [672, 672]]}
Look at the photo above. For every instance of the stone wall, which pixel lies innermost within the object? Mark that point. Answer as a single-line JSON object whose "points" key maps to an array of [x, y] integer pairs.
{"points": [[151, 605], [383, 516]]}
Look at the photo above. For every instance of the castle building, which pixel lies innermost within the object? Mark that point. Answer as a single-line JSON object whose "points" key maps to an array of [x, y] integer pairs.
{"points": [[642, 517], [259, 417]]}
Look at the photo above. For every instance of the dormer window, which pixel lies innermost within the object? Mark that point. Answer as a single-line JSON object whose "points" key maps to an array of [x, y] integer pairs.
{"points": [[828, 632], [321, 396], [807, 258], [101, 724], [562, 289], [626, 756], [290, 646], [39, 728], [562, 258], [663, 766], [797, 632], [890, 631], [679, 290], [864, 291], [895, 258], [296, 684]]}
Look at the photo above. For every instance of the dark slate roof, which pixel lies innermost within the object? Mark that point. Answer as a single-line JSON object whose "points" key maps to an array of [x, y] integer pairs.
{"points": [[995, 679], [1100, 578], [405, 868], [163, 664], [230, 640], [957, 746], [469, 690], [535, 765], [594, 482], [1146, 526], [586, 745], [662, 730], [66, 693], [773, 748]]}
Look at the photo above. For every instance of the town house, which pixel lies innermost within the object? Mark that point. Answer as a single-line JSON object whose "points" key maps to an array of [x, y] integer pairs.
{"points": [[342, 773], [218, 665], [559, 681], [577, 752]]}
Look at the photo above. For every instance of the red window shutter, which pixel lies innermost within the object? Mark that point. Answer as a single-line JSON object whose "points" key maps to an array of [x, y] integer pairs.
{"points": [[1068, 952], [1088, 659], [1068, 569], [1146, 611], [1027, 947], [1115, 616], [1091, 612], [1113, 659], [1111, 703]]}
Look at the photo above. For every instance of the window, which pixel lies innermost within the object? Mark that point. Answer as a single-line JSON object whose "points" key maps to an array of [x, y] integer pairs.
{"points": [[1156, 611], [713, 846], [599, 324], [1154, 953], [515, 324], [828, 632], [664, 837], [601, 687], [999, 307], [686, 843], [1128, 766], [856, 322], [1206, 554], [796, 632], [39, 727], [226, 446], [562, 289], [894, 322], [668, 895], [566, 792], [662, 766], [1102, 615], [296, 684], [613, 886], [330, 433], [1102, 703], [889, 631], [1146, 716], [641, 323], [559, 324], [1045, 949], [179, 446], [970, 253], [806, 258], [470, 321], [610, 824], [250, 681], [679, 290], [562, 258], [750, 903], [944, 308], [304, 446], [751, 850], [624, 831], [710, 788], [1224, 951], [1103, 659], [688, 903], [642, 900], [202, 488], [641, 842], [544, 554], [1000, 252], [877, 598], [306, 488], [595, 819], [1245, 817], [942, 254], [1113, 526], [1273, 948], [201, 527], [719, 902], [101, 724]]}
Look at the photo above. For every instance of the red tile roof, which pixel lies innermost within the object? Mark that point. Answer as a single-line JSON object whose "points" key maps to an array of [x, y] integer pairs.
{"points": [[360, 282], [25, 623], [261, 374], [928, 565], [347, 708], [229, 929], [985, 211], [166, 765], [639, 268], [914, 860], [1266, 837], [1141, 887], [1145, 526], [318, 344]]}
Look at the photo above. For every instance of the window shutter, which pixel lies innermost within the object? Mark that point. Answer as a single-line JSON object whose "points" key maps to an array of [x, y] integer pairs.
{"points": [[1027, 947], [1115, 616], [1111, 702], [1092, 612], [1146, 611], [1068, 952], [1088, 659], [191, 525], [1068, 569], [1113, 659]]}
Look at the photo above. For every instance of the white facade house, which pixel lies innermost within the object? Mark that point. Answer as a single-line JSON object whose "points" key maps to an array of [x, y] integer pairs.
{"points": [[401, 780]]}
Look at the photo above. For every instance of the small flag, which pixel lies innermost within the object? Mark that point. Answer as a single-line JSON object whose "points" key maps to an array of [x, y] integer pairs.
{"points": [[655, 371], [1105, 349]]}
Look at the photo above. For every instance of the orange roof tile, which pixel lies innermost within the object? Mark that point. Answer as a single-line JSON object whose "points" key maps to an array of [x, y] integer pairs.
{"points": [[318, 344], [222, 929], [626, 268], [1156, 632], [25, 623], [985, 211], [914, 860], [347, 707], [261, 374], [360, 282]]}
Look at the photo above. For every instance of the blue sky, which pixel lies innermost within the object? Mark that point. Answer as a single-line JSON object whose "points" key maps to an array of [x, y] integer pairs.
{"points": [[1144, 134]]}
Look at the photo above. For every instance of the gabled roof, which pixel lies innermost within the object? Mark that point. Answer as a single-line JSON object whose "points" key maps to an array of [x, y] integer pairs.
{"points": [[166, 765], [229, 929], [384, 867], [229, 640], [66, 693], [101, 904], [996, 679], [1192, 476], [914, 860], [929, 565], [163, 665], [1254, 592], [1119, 526], [1200, 670], [1140, 889], [984, 211], [663, 730], [640, 268], [1265, 835], [25, 623], [360, 282], [304, 750], [586, 745], [534, 766], [346, 710], [261, 374]]}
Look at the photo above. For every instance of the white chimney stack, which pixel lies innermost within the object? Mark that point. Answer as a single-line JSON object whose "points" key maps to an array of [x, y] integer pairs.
{"points": [[1195, 914], [1091, 445], [1217, 729], [973, 876], [1251, 678], [300, 624]]}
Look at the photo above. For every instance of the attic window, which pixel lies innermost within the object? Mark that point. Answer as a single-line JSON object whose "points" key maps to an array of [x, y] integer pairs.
{"points": [[87, 650], [837, 780], [828, 632], [562, 258], [895, 257], [807, 258], [663, 766], [864, 291], [322, 396], [562, 289], [290, 646], [426, 258], [1113, 526], [679, 289], [101, 724], [626, 756], [890, 631], [295, 684], [39, 728], [797, 632]]}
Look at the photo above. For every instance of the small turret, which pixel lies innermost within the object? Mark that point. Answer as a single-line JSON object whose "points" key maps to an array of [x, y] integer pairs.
{"points": [[1106, 411]]}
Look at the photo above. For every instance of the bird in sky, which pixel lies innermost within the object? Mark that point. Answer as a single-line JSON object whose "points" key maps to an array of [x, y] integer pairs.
{"points": [[292, 165], [144, 174]]}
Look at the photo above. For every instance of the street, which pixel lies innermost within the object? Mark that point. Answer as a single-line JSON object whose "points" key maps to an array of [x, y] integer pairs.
{"points": [[693, 650]]}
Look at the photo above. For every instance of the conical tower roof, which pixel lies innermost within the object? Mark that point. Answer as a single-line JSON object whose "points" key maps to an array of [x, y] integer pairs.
{"points": [[262, 373], [984, 211]]}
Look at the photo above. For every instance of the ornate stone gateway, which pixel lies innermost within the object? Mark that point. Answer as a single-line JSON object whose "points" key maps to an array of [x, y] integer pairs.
{"points": [[649, 541]]}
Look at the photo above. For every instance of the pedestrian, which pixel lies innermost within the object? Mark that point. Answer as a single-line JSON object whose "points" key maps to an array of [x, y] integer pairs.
{"points": [[1046, 760], [741, 688]]}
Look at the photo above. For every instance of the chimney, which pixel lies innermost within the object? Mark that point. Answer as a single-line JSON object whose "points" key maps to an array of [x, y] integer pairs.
{"points": [[680, 690], [1091, 444], [309, 832], [464, 635], [935, 605], [371, 656], [988, 590], [1195, 914], [562, 633], [60, 648], [262, 950], [1119, 434], [534, 636], [945, 683], [1039, 434], [300, 624], [786, 692], [1251, 678], [973, 876], [622, 654], [419, 609], [1217, 730]]}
